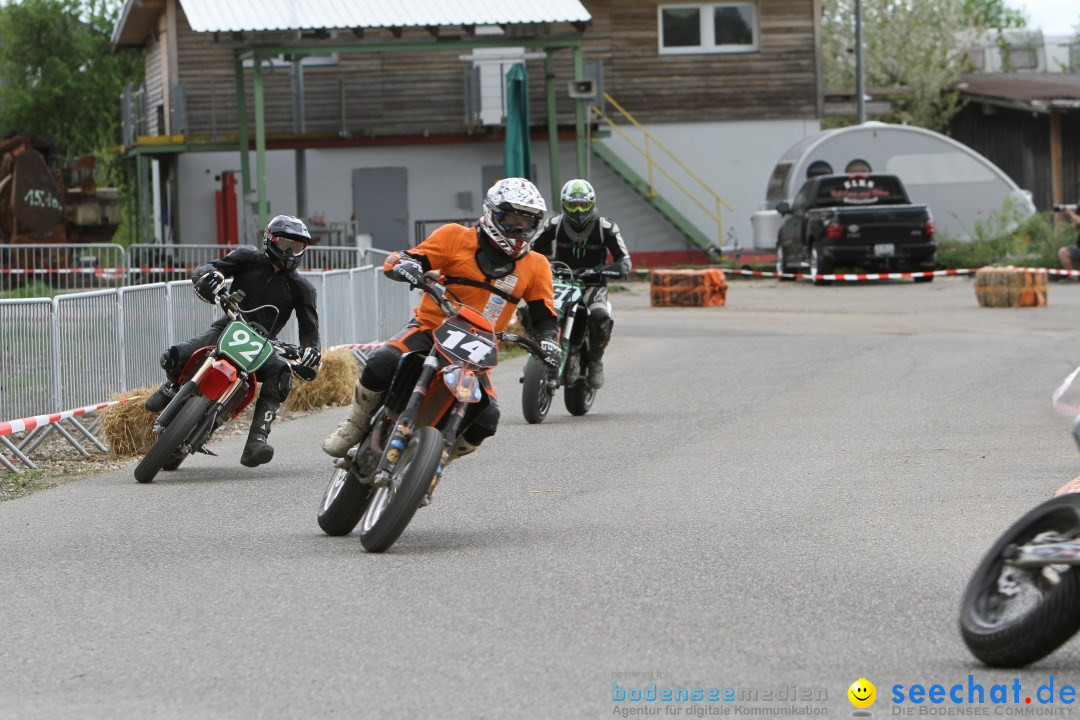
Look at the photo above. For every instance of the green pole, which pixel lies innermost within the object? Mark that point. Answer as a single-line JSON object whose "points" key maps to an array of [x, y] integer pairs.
{"points": [[553, 127], [261, 207], [242, 119], [579, 114]]}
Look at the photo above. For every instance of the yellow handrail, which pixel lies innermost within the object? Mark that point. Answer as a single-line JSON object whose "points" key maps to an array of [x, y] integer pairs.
{"points": [[650, 161]]}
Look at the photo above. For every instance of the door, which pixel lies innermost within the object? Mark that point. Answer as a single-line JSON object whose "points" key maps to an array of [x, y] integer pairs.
{"points": [[381, 206]]}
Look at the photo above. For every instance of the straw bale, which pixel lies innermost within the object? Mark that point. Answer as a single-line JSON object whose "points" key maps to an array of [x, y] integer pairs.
{"points": [[333, 385], [127, 428]]}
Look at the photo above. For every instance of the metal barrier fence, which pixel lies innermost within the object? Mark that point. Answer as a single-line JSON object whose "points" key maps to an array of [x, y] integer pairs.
{"points": [[74, 267], [78, 349], [64, 266]]}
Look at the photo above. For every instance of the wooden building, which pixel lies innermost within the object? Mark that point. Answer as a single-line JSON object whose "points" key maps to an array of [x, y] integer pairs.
{"points": [[725, 86]]}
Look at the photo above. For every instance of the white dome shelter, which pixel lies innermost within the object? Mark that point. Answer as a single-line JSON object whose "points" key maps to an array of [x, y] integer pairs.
{"points": [[959, 185]]}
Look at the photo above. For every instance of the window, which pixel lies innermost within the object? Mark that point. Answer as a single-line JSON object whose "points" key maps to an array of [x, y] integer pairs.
{"points": [[1021, 58], [977, 58], [857, 165], [708, 28]]}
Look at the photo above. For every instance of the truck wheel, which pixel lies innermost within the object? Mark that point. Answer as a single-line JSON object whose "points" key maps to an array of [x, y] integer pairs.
{"points": [[928, 278], [820, 265]]}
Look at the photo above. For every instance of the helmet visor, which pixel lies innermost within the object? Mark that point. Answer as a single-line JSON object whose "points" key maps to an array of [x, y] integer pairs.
{"points": [[518, 225], [578, 206], [290, 246]]}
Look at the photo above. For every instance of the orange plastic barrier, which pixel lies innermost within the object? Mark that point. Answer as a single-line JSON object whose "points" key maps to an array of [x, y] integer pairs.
{"points": [[687, 288]]}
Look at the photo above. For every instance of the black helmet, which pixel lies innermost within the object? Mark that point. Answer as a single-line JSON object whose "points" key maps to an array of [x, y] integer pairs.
{"points": [[286, 239]]}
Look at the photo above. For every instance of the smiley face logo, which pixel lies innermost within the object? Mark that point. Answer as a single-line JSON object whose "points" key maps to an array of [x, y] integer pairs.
{"points": [[862, 693]]}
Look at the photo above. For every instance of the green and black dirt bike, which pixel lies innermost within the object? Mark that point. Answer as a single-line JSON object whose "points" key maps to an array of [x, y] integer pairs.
{"points": [[216, 385], [540, 381]]}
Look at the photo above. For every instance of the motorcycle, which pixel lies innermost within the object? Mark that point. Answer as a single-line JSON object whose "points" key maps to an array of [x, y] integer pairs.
{"points": [[1023, 601], [382, 481], [217, 383], [540, 381]]}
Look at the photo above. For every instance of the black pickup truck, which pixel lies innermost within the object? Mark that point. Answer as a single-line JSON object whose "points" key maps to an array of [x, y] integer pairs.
{"points": [[856, 221]]}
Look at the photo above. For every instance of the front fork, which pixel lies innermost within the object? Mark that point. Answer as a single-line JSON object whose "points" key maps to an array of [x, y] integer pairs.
{"points": [[404, 424]]}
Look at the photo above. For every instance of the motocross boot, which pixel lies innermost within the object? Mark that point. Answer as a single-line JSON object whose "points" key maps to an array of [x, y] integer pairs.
{"points": [[461, 448], [257, 451], [351, 430], [594, 373]]}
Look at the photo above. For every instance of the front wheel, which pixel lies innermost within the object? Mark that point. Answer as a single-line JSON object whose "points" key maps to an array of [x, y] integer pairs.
{"points": [[344, 504], [1012, 616], [535, 393], [819, 265], [781, 263], [393, 506], [579, 398], [168, 443]]}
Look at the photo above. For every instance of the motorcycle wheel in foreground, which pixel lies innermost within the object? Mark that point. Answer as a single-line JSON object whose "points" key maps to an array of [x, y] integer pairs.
{"points": [[540, 382], [382, 481], [216, 385], [1023, 602]]}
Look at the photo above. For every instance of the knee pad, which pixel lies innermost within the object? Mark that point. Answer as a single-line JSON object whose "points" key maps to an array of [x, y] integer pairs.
{"points": [[601, 322], [170, 361], [379, 371], [285, 383]]}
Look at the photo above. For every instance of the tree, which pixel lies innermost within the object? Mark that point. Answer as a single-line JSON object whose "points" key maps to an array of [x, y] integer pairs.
{"points": [[911, 46], [59, 78]]}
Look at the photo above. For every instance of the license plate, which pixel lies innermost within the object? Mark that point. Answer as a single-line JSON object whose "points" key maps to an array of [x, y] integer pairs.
{"points": [[884, 249]]}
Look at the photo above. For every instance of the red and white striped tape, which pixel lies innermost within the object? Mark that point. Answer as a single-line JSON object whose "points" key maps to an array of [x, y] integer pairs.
{"points": [[849, 277], [14, 426]]}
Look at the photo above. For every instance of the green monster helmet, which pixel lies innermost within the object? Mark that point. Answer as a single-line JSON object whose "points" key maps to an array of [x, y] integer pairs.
{"points": [[578, 203]]}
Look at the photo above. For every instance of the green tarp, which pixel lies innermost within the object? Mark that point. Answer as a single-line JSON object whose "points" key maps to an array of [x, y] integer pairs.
{"points": [[517, 156]]}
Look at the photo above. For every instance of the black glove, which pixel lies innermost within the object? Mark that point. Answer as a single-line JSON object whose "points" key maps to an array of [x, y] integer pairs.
{"points": [[614, 270], [310, 357], [209, 285], [307, 366], [553, 354], [408, 270]]}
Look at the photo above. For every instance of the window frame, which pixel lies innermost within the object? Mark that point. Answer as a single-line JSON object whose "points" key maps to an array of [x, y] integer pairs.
{"points": [[707, 29]]}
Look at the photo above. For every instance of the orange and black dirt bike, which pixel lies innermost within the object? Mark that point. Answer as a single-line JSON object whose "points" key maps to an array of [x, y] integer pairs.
{"points": [[382, 481], [216, 385]]}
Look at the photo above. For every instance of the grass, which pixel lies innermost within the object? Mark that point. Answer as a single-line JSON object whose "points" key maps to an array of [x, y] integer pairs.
{"points": [[13, 485], [1005, 239], [33, 289]]}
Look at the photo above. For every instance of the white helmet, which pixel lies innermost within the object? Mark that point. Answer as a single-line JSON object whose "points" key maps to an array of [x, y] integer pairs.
{"points": [[513, 211]]}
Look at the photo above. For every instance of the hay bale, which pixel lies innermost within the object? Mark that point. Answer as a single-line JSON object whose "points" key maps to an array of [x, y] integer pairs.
{"points": [[333, 385], [1010, 287], [127, 428]]}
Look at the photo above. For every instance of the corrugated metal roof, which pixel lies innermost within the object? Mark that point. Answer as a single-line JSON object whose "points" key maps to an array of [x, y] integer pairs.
{"points": [[1032, 88], [264, 15]]}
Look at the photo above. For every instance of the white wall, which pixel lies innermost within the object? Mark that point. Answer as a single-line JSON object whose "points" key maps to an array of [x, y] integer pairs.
{"points": [[734, 158], [436, 174]]}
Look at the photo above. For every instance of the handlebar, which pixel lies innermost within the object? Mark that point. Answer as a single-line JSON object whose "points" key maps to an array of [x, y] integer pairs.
{"points": [[1058, 207], [527, 344]]}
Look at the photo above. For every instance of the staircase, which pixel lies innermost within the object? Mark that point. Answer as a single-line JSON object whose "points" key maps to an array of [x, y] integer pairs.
{"points": [[646, 187]]}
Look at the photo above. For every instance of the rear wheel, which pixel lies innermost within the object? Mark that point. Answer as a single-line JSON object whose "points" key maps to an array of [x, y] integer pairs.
{"points": [[820, 265], [1013, 616], [393, 506], [344, 504], [170, 440], [924, 279], [535, 393]]}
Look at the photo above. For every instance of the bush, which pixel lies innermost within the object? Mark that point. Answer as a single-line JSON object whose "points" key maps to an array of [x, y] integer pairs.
{"points": [[1006, 239]]}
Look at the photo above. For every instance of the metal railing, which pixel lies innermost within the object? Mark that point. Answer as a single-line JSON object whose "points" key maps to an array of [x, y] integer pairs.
{"points": [[718, 204], [65, 267], [78, 349]]}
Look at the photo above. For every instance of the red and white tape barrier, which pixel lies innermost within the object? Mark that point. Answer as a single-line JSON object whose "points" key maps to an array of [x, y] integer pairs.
{"points": [[851, 277], [24, 424]]}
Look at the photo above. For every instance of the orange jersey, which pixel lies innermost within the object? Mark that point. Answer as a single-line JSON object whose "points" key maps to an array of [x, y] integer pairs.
{"points": [[451, 250]]}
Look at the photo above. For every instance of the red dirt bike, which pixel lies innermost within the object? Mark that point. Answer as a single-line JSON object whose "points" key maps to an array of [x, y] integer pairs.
{"points": [[383, 480], [216, 385]]}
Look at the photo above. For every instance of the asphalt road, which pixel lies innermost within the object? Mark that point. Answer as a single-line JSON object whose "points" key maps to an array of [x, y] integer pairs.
{"points": [[788, 491]]}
